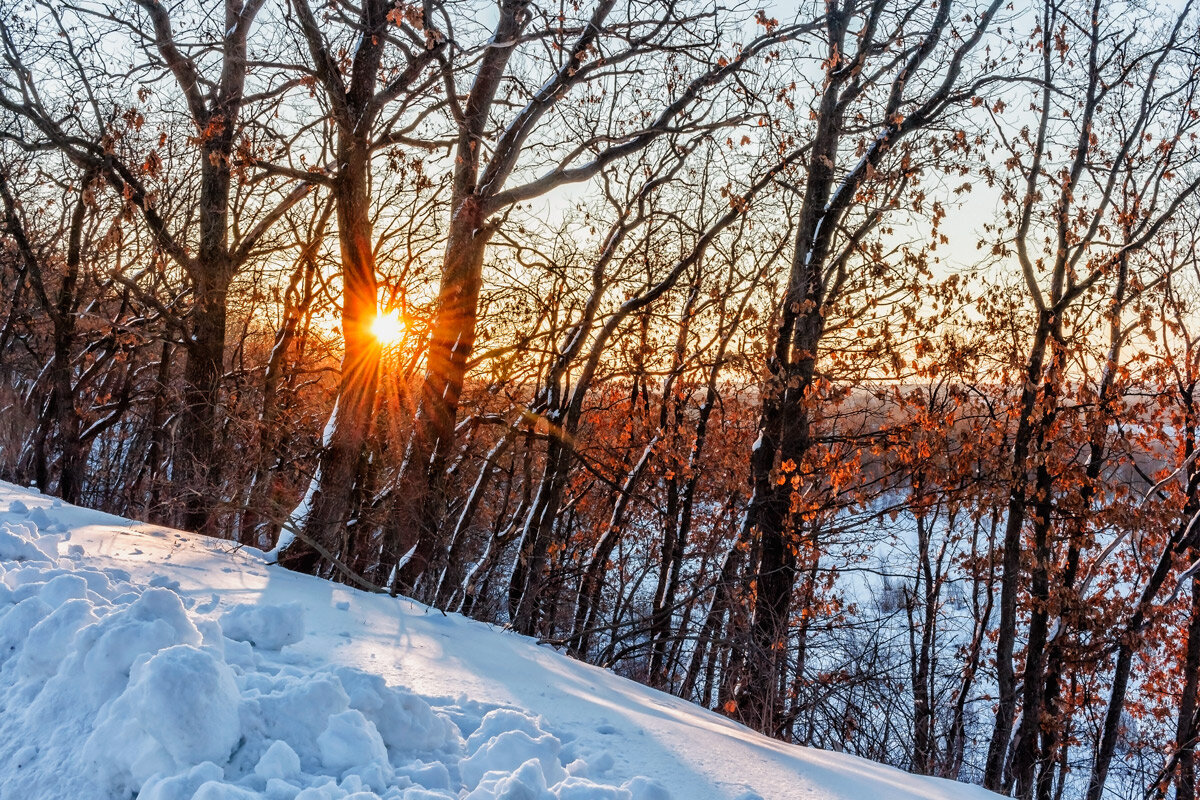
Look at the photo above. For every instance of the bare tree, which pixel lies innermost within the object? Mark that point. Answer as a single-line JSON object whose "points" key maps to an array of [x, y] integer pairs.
{"points": [[368, 97], [1066, 251], [54, 94], [888, 73], [494, 173]]}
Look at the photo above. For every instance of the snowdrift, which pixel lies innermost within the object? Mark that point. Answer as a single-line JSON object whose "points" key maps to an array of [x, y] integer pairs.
{"points": [[142, 662]]}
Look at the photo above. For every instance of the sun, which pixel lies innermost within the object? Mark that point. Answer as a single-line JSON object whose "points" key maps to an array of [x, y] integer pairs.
{"points": [[388, 327]]}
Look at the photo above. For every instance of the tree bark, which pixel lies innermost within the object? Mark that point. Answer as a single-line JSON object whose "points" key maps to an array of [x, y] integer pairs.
{"points": [[1023, 440], [1187, 728]]}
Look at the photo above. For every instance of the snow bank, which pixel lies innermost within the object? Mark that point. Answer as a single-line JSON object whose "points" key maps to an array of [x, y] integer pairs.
{"points": [[113, 687]]}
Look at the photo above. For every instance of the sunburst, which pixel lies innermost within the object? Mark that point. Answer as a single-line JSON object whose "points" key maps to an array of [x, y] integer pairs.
{"points": [[388, 328]]}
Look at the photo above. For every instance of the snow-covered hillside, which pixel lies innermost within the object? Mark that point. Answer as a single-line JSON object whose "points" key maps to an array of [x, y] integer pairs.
{"points": [[137, 661]]}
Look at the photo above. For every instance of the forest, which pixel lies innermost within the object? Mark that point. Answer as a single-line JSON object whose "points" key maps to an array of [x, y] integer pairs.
{"points": [[833, 365]]}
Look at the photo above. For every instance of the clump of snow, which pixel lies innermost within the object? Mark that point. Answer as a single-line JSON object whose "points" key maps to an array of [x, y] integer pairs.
{"points": [[350, 739], [179, 709], [404, 720], [41, 519], [264, 626], [163, 582], [183, 786], [279, 762], [643, 788], [506, 742], [17, 545], [50, 640]]}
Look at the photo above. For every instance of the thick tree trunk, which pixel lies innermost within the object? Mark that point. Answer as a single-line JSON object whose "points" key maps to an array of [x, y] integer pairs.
{"points": [[197, 472], [59, 421], [73, 464], [414, 534], [776, 463], [336, 502], [412, 538], [784, 428]]}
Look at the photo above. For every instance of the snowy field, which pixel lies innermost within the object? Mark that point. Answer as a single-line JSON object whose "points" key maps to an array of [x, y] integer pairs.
{"points": [[137, 661]]}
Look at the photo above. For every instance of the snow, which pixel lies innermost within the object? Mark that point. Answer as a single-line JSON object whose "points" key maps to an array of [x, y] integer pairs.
{"points": [[137, 661], [179, 709], [280, 762], [264, 626], [299, 515]]}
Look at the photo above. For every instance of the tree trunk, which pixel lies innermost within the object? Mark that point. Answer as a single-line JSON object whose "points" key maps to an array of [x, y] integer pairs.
{"points": [[1128, 645], [198, 469], [1187, 727], [336, 502], [993, 776], [588, 601], [706, 642], [921, 652], [415, 532], [528, 579], [1025, 749], [196, 472], [73, 463], [260, 522]]}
